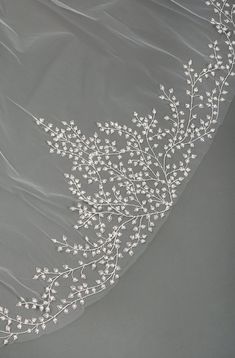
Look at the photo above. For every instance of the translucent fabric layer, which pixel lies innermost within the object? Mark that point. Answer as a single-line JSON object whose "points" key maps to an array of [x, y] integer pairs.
{"points": [[106, 110]]}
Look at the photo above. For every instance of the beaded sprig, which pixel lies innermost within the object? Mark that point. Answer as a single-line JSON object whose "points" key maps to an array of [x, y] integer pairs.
{"points": [[124, 179]]}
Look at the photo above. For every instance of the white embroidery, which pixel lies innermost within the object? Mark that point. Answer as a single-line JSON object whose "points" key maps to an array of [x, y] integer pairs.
{"points": [[133, 174]]}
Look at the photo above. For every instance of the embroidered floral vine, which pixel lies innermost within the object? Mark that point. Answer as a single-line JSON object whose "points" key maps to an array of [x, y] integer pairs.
{"points": [[134, 174]]}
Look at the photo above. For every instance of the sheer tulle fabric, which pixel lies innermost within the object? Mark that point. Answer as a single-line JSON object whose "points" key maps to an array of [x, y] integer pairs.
{"points": [[76, 64]]}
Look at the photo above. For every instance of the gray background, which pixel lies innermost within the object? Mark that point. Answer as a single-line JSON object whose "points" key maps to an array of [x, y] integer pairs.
{"points": [[178, 299]]}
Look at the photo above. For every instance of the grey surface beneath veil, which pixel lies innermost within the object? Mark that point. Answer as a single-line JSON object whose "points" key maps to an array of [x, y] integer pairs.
{"points": [[178, 299], [92, 61]]}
